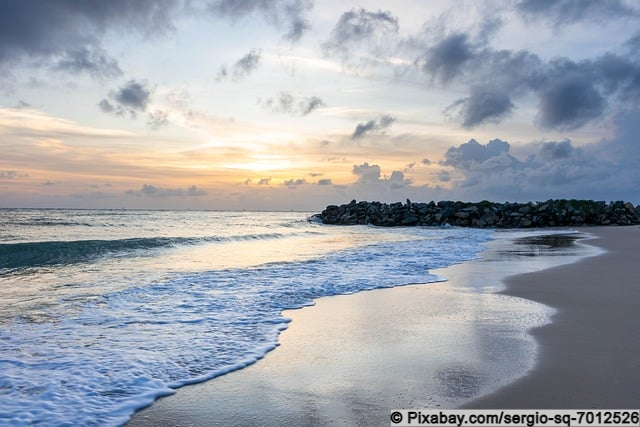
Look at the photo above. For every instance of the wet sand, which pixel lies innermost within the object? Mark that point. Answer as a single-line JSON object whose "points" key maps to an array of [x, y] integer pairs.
{"points": [[349, 360], [590, 355]]}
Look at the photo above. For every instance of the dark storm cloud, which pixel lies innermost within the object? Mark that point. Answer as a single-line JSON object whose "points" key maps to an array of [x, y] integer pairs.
{"points": [[570, 103], [556, 150], [67, 32], [445, 60], [289, 104], [461, 58], [134, 95], [289, 14], [571, 93], [363, 128], [481, 106], [243, 67], [373, 126], [575, 93], [633, 44], [570, 11], [130, 99], [606, 170], [618, 74]]}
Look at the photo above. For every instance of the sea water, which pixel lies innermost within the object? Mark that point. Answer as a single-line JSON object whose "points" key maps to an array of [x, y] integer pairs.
{"points": [[103, 311]]}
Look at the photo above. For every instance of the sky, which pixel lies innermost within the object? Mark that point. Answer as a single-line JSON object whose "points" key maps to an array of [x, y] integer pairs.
{"points": [[296, 104]]}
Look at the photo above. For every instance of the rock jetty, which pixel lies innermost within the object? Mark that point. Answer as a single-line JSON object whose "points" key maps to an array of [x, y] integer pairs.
{"points": [[552, 213]]}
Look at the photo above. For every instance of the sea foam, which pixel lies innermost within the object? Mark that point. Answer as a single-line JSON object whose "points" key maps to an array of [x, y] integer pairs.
{"points": [[120, 350]]}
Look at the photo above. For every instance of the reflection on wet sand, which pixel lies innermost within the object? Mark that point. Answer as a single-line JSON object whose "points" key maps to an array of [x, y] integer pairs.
{"points": [[349, 359]]}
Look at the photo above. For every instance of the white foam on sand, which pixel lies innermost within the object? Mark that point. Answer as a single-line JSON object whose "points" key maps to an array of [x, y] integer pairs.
{"points": [[349, 359]]}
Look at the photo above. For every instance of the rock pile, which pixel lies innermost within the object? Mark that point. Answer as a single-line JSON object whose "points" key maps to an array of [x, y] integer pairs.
{"points": [[552, 213]]}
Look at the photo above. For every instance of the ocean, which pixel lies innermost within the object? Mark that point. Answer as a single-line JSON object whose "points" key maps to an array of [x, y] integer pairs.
{"points": [[103, 311]]}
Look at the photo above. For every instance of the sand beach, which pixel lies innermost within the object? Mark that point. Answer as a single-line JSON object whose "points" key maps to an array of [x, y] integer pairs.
{"points": [[589, 354]]}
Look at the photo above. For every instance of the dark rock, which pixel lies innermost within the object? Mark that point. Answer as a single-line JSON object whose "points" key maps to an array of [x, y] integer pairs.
{"points": [[551, 213], [409, 220]]}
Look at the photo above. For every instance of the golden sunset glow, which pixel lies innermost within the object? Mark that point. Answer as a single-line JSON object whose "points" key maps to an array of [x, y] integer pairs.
{"points": [[385, 102]]}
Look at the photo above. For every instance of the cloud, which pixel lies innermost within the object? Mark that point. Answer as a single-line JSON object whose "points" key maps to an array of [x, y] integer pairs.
{"points": [[410, 166], [633, 44], [28, 123], [289, 14], [94, 61], [571, 93], [9, 174], [355, 26], [66, 34], [569, 103], [158, 119], [470, 155], [376, 30], [481, 106], [371, 183], [247, 64], [325, 181], [134, 95], [373, 126], [606, 170], [130, 99], [367, 173], [397, 180], [106, 106], [444, 176], [556, 150], [243, 67], [289, 104], [22, 104], [264, 181], [149, 190], [292, 183], [571, 11], [445, 60]]}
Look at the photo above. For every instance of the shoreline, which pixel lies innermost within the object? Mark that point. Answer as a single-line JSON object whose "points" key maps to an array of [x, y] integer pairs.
{"points": [[588, 354], [297, 382]]}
